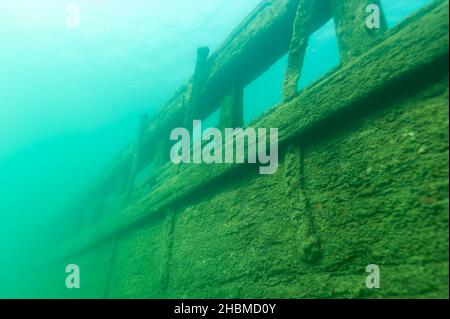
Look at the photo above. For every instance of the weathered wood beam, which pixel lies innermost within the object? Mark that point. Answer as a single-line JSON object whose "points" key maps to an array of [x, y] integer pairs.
{"points": [[299, 43], [197, 82], [354, 35], [137, 151], [171, 115], [232, 109]]}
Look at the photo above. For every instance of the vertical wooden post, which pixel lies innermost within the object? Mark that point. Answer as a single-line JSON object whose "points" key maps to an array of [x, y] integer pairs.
{"points": [[192, 109], [354, 35], [232, 109], [299, 43], [136, 158], [307, 240]]}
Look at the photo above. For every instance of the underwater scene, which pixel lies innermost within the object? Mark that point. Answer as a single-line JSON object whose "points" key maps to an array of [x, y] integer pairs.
{"points": [[168, 149]]}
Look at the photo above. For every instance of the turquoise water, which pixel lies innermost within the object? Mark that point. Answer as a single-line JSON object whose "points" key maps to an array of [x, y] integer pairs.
{"points": [[71, 98]]}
